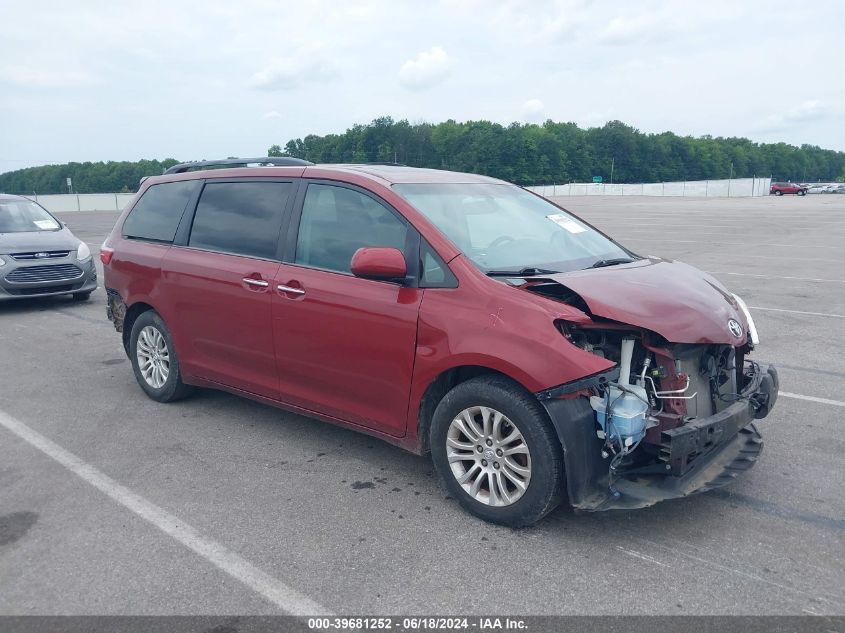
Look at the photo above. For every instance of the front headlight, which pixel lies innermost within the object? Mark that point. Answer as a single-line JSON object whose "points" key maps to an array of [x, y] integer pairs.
{"points": [[752, 329], [83, 253]]}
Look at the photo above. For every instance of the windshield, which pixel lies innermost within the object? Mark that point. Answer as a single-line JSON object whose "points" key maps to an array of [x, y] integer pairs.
{"points": [[505, 228], [21, 216]]}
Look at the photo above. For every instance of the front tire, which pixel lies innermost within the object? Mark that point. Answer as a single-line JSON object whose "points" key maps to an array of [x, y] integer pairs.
{"points": [[154, 359], [81, 296], [801, 192], [496, 452]]}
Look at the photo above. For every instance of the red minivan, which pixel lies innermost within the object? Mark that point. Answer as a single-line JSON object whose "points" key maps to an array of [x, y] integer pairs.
{"points": [[537, 359]]}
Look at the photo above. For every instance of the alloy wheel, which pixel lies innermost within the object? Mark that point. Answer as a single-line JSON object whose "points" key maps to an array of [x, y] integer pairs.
{"points": [[153, 357], [488, 456]]}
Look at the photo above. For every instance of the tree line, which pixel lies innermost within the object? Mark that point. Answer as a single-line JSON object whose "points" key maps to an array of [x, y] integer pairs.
{"points": [[100, 177], [526, 154], [553, 152]]}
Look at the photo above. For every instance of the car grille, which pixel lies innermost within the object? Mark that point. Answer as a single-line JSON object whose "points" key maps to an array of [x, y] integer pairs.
{"points": [[41, 290], [40, 255], [35, 274]]}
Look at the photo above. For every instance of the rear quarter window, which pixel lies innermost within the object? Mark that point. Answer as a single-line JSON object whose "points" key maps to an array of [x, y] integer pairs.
{"points": [[157, 214]]}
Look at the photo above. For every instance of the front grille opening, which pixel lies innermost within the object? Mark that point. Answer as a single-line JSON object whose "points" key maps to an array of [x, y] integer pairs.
{"points": [[23, 292], [37, 274]]}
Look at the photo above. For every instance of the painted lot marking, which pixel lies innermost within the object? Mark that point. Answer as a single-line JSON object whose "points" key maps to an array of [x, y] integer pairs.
{"points": [[798, 396], [833, 281], [272, 589], [821, 314], [640, 555]]}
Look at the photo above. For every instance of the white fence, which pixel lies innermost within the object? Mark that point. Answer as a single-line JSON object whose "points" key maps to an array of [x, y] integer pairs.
{"points": [[735, 187], [64, 202]]}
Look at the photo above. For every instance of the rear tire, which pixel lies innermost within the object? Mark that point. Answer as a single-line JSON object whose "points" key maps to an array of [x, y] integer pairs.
{"points": [[778, 192], [514, 482], [154, 359]]}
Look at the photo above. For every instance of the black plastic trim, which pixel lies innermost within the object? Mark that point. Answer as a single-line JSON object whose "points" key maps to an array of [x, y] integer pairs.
{"points": [[275, 161], [595, 380]]}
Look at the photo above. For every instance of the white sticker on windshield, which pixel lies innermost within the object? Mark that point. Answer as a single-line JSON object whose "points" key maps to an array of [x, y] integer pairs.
{"points": [[45, 224], [566, 222]]}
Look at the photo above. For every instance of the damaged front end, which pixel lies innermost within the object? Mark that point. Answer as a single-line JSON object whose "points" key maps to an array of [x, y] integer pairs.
{"points": [[669, 420]]}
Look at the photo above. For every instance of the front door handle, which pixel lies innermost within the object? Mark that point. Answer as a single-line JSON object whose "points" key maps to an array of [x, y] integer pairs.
{"points": [[290, 289], [257, 283]]}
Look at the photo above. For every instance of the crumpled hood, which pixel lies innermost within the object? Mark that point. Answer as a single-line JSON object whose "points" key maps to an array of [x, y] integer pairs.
{"points": [[30, 241], [677, 301]]}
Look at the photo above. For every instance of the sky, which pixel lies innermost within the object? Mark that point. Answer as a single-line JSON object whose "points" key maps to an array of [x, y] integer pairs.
{"points": [[111, 80]]}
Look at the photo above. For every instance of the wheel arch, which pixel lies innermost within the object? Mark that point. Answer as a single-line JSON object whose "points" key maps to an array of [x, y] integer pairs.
{"points": [[440, 386], [132, 313]]}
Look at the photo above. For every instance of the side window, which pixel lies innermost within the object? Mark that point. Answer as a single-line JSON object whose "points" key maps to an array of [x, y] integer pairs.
{"points": [[242, 218], [434, 272], [157, 214], [337, 221]]}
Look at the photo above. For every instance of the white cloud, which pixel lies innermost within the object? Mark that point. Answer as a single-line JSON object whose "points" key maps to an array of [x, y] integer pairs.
{"points": [[40, 78], [307, 63], [425, 70], [807, 111], [625, 30], [533, 110], [272, 114]]}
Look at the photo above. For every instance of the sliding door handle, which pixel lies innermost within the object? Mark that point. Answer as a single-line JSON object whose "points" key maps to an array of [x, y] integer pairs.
{"points": [[290, 289]]}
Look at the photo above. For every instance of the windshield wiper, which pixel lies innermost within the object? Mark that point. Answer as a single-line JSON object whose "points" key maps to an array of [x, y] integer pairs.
{"points": [[612, 262], [524, 272]]}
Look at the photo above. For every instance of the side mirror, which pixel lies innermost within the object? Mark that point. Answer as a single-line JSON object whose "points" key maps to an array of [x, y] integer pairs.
{"points": [[379, 262]]}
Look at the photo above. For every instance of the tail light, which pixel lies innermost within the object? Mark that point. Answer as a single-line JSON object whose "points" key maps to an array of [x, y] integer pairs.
{"points": [[106, 254]]}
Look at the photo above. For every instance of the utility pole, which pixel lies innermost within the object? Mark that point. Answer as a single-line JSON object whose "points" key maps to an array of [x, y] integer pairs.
{"points": [[730, 178], [612, 161]]}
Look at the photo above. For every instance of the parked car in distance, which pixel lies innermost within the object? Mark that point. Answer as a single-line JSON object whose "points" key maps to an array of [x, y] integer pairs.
{"points": [[780, 188], [835, 188], [39, 256], [817, 187], [534, 357]]}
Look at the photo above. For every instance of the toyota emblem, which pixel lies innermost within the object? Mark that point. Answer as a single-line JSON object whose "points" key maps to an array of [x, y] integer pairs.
{"points": [[735, 328]]}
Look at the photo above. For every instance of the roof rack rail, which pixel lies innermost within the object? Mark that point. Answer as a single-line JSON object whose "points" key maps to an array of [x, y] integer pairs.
{"points": [[275, 161]]}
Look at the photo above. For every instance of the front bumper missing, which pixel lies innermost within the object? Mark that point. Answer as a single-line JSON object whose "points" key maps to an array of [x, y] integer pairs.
{"points": [[699, 456]]}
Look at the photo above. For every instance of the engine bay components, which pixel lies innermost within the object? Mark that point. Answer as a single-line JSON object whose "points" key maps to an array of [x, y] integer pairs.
{"points": [[621, 411]]}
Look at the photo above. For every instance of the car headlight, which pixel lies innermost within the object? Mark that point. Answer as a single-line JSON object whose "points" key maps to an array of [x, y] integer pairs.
{"points": [[752, 329], [83, 253]]}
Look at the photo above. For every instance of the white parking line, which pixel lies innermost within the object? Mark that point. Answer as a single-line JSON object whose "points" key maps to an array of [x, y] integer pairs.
{"points": [[798, 396], [272, 589], [821, 314], [833, 281]]}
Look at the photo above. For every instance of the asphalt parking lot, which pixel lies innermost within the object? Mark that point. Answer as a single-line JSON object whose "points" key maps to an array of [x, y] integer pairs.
{"points": [[360, 527]]}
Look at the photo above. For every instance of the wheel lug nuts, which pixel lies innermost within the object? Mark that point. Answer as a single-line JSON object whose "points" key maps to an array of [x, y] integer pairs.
{"points": [[495, 464], [478, 448], [489, 442], [499, 452], [483, 462]]}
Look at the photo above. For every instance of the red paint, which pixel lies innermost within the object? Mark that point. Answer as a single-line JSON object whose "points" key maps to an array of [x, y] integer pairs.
{"points": [[677, 301], [361, 352], [379, 263]]}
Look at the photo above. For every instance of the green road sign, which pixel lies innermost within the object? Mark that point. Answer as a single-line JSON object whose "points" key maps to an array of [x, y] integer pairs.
{"points": [[596, 178]]}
